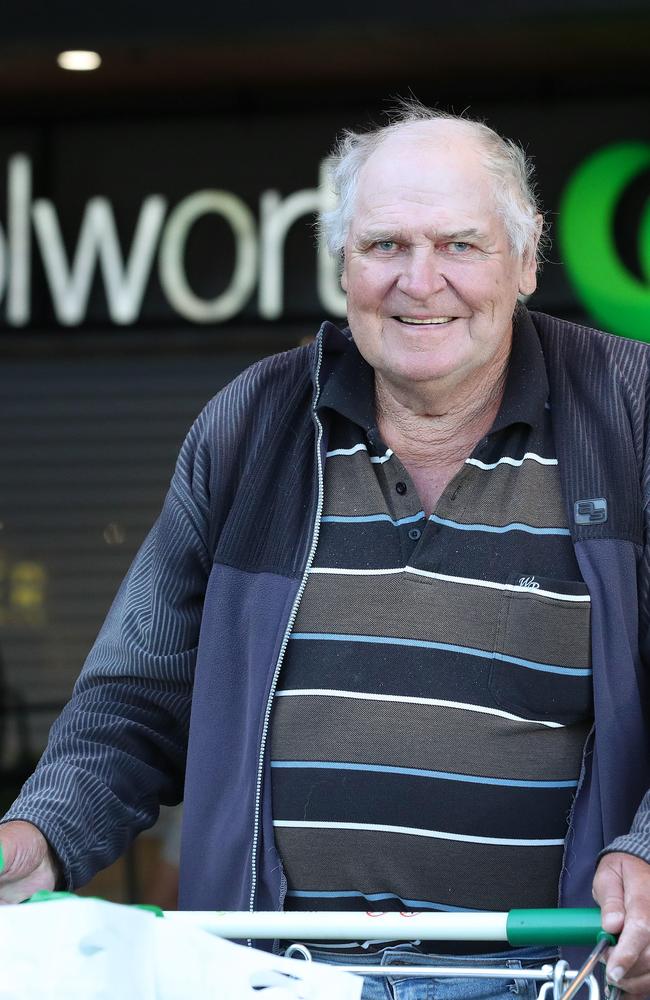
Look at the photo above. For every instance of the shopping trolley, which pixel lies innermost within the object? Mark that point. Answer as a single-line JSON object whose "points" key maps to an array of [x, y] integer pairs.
{"points": [[518, 928], [555, 928]]}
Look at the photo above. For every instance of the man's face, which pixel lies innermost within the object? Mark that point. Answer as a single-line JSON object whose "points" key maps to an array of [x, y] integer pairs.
{"points": [[430, 278]]}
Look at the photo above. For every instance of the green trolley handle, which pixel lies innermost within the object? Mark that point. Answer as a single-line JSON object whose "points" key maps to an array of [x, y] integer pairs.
{"points": [[556, 927]]}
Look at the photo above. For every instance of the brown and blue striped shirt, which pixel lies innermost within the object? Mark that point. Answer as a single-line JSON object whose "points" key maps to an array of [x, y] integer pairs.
{"points": [[436, 694]]}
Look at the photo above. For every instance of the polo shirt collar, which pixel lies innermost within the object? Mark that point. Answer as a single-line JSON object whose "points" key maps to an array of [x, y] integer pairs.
{"points": [[526, 389], [350, 388]]}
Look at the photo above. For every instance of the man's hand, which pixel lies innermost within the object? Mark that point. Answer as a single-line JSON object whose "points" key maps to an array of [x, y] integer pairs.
{"points": [[622, 890], [28, 863]]}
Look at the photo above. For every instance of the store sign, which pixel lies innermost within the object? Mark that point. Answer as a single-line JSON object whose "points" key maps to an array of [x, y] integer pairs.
{"points": [[245, 251], [159, 240], [617, 299]]}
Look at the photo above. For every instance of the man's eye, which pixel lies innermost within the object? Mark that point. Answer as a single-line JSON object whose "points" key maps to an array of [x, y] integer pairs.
{"points": [[459, 247], [386, 245]]}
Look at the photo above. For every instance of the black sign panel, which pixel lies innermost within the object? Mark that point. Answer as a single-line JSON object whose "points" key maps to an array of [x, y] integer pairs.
{"points": [[210, 220]]}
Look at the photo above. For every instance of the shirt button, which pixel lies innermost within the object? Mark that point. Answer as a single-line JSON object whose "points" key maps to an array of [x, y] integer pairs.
{"points": [[401, 488], [414, 534]]}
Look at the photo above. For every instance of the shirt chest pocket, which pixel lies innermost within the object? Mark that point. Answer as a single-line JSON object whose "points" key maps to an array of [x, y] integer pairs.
{"points": [[542, 656]]}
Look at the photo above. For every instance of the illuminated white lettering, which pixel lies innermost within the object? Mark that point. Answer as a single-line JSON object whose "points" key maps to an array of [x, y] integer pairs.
{"points": [[3, 263], [172, 255], [98, 240], [277, 217], [70, 271], [19, 193]]}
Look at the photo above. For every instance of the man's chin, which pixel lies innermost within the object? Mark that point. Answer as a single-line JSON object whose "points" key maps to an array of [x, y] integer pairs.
{"points": [[422, 370]]}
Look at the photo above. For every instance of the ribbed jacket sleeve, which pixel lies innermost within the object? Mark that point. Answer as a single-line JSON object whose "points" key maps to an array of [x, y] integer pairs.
{"points": [[637, 841], [602, 388], [119, 747]]}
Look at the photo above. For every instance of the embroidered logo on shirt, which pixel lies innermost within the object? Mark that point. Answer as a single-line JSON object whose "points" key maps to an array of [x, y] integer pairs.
{"points": [[528, 581], [591, 511]]}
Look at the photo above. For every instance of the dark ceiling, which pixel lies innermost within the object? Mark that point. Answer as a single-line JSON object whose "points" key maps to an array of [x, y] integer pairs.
{"points": [[198, 55]]}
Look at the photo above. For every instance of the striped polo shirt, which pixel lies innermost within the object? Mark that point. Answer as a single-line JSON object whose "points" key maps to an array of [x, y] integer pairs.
{"points": [[431, 712]]}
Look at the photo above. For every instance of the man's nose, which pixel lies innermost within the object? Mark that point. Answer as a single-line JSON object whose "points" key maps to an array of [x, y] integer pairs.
{"points": [[421, 275]]}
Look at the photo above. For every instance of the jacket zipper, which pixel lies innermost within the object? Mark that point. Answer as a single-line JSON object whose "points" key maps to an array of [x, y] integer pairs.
{"points": [[290, 623]]}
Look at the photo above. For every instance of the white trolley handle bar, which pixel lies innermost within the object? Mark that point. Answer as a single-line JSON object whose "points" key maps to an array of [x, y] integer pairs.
{"points": [[310, 925]]}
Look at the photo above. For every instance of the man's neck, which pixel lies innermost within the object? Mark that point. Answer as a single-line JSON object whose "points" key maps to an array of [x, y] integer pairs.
{"points": [[428, 428]]}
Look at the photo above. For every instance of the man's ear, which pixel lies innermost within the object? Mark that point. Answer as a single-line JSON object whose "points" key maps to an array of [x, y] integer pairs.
{"points": [[528, 277]]}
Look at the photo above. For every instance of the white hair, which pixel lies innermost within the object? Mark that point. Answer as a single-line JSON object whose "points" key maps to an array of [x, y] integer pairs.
{"points": [[515, 193]]}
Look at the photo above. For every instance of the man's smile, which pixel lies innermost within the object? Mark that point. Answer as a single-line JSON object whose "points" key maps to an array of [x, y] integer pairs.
{"points": [[429, 321]]}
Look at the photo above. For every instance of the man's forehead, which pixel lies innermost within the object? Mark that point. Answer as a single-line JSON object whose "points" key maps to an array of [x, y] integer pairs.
{"points": [[421, 162], [439, 137], [412, 174]]}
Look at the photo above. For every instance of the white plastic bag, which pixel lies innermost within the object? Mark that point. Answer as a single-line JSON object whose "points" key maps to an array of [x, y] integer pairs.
{"points": [[76, 949], [218, 968], [88, 949]]}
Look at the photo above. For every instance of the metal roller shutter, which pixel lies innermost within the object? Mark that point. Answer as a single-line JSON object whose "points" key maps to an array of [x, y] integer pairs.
{"points": [[88, 446]]}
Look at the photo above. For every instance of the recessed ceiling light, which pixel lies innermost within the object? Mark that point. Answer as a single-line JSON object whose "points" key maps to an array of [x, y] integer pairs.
{"points": [[79, 59]]}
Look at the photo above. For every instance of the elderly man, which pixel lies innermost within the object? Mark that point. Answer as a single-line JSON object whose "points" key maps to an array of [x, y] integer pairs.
{"points": [[400, 580]]}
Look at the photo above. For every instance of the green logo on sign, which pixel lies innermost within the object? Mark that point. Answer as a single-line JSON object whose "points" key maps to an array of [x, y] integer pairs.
{"points": [[615, 297]]}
